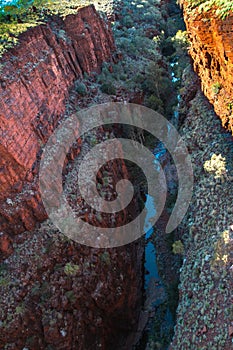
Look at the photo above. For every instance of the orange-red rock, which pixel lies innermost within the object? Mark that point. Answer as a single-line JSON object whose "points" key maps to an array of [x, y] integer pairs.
{"points": [[211, 48], [34, 86], [5, 245]]}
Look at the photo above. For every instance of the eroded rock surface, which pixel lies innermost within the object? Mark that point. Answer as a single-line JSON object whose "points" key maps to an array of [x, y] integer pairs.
{"points": [[211, 49], [34, 86]]}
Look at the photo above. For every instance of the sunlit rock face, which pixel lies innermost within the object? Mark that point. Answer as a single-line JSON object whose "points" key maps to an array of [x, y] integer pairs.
{"points": [[35, 79], [211, 49]]}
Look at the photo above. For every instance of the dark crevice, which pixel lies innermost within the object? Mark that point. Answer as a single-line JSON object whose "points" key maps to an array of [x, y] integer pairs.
{"points": [[209, 60]]}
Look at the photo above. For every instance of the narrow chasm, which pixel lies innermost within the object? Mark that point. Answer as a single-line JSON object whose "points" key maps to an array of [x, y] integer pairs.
{"points": [[160, 290]]}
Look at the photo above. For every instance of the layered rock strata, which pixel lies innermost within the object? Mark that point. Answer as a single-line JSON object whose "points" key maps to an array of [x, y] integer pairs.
{"points": [[34, 86], [211, 49]]}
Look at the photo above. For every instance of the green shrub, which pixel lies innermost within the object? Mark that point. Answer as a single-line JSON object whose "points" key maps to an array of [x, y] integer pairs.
{"points": [[70, 296], [216, 165], [81, 88], [108, 88], [181, 39], [105, 74], [216, 87], [222, 8], [178, 247], [105, 258], [128, 21], [230, 106], [23, 14], [20, 309], [155, 103], [71, 269]]}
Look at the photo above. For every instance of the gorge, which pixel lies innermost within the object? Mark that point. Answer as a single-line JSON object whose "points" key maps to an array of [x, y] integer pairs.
{"points": [[58, 294]]}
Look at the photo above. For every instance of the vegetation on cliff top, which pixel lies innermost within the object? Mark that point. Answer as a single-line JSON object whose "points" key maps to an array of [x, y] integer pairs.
{"points": [[222, 8], [19, 15]]}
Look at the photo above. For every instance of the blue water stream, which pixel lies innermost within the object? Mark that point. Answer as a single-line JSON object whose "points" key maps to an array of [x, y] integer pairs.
{"points": [[150, 252], [152, 278]]}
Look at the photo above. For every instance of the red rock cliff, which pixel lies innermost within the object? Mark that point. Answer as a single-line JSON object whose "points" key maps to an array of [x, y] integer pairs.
{"points": [[212, 52], [55, 293], [34, 85]]}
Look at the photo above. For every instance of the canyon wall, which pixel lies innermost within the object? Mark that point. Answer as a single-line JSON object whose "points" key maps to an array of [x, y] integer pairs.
{"points": [[55, 293], [34, 85], [204, 314], [211, 49]]}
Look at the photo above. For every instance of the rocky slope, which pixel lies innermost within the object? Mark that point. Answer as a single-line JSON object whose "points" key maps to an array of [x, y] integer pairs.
{"points": [[211, 49], [205, 313]]}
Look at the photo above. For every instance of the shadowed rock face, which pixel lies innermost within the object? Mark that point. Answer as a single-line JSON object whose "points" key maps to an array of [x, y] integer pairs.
{"points": [[34, 85], [212, 52], [55, 293], [47, 305]]}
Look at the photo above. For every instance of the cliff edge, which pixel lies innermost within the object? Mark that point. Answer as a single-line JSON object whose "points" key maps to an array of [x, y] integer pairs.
{"points": [[211, 49]]}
